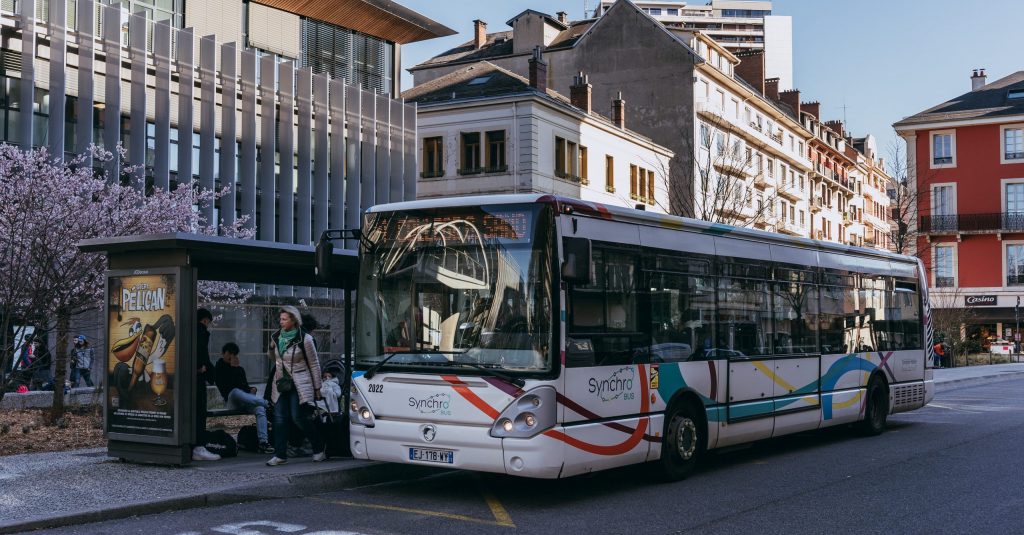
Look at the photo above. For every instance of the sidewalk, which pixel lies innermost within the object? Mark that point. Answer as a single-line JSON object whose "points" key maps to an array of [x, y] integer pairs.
{"points": [[77, 487]]}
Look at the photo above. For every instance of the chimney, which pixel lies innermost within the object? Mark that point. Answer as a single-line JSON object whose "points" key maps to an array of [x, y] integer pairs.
{"points": [[977, 79], [563, 17], [792, 98], [581, 92], [751, 69], [836, 126], [771, 89], [619, 111], [538, 72], [480, 35], [813, 108]]}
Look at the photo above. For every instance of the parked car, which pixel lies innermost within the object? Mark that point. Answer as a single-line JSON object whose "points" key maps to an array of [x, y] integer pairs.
{"points": [[1001, 347]]}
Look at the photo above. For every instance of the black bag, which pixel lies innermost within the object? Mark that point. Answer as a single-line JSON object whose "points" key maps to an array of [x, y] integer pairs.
{"points": [[248, 438], [334, 433], [221, 443], [285, 384]]}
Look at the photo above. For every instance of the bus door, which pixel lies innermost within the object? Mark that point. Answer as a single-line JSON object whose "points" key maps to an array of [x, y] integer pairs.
{"points": [[605, 402], [744, 339], [797, 383]]}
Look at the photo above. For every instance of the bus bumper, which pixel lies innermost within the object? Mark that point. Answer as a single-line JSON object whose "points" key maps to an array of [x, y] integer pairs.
{"points": [[473, 448]]}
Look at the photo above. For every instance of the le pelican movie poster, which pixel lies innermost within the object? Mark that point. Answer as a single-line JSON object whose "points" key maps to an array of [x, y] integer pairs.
{"points": [[141, 354]]}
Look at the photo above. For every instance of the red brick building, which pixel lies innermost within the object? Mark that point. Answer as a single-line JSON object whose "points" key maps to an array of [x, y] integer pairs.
{"points": [[965, 157]]}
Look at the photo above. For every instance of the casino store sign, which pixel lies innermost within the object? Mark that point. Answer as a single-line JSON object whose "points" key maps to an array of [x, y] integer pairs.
{"points": [[980, 300]]}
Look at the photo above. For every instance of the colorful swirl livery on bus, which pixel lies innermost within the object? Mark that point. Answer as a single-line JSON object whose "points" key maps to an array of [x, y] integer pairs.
{"points": [[548, 337]]}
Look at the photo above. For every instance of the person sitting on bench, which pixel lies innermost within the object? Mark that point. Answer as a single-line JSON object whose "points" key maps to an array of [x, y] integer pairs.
{"points": [[234, 386]]}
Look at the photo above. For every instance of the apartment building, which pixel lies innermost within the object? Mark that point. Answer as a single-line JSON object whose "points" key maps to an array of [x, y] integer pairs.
{"points": [[685, 91], [738, 25], [965, 161], [485, 130]]}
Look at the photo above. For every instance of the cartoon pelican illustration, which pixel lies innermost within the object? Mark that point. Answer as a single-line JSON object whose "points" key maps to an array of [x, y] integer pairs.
{"points": [[124, 349]]}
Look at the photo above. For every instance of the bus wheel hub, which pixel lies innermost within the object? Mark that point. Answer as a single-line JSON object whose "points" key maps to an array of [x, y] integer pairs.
{"points": [[686, 439]]}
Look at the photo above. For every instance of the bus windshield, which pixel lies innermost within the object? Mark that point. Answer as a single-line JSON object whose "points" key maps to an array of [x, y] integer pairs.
{"points": [[451, 286]]}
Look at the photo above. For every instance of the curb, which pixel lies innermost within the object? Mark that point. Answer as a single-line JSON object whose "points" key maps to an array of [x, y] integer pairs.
{"points": [[973, 381], [372, 473]]}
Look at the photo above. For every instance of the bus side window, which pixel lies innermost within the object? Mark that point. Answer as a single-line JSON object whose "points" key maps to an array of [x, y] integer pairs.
{"points": [[603, 315], [682, 316], [744, 311]]}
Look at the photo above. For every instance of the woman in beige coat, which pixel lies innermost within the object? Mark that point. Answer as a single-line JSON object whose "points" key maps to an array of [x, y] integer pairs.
{"points": [[294, 356]]}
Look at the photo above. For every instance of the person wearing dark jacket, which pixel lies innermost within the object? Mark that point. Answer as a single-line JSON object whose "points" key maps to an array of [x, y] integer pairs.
{"points": [[234, 387], [204, 370]]}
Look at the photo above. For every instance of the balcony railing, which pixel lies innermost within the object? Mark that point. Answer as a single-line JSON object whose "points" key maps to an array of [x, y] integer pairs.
{"points": [[998, 222]]}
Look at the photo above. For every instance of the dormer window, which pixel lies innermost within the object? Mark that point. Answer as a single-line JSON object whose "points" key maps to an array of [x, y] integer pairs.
{"points": [[1015, 93]]}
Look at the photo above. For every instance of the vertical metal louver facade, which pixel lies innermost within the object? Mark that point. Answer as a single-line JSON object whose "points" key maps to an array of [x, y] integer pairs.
{"points": [[296, 157]]}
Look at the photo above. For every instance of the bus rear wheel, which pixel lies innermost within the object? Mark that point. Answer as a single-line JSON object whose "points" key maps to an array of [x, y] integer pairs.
{"points": [[684, 442], [876, 408]]}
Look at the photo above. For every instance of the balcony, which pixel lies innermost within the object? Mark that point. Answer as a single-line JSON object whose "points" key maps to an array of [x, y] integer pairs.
{"points": [[959, 224], [788, 227], [817, 204], [790, 193]]}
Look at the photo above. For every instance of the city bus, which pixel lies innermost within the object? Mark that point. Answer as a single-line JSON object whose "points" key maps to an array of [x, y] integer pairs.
{"points": [[547, 337]]}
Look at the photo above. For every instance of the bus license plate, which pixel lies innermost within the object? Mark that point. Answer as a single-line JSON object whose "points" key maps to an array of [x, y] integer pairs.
{"points": [[432, 456]]}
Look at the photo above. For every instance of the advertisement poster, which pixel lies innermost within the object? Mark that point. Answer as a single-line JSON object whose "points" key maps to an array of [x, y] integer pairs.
{"points": [[142, 353]]}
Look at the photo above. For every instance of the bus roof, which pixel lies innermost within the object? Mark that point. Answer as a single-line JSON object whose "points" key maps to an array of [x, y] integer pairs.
{"points": [[630, 215]]}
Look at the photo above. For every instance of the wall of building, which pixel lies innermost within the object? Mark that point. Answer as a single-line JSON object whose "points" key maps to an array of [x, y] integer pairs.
{"points": [[531, 127], [978, 176], [625, 52]]}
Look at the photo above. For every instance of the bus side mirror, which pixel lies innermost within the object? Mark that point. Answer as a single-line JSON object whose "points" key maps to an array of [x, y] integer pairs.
{"points": [[324, 253], [576, 266]]}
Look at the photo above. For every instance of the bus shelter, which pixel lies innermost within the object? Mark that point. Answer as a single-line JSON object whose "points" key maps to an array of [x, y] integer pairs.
{"points": [[150, 323]]}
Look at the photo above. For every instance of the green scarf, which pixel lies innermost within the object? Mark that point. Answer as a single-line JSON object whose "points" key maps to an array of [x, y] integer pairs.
{"points": [[285, 338]]}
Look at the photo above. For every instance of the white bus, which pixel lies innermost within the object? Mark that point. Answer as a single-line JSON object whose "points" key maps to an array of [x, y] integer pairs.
{"points": [[546, 337]]}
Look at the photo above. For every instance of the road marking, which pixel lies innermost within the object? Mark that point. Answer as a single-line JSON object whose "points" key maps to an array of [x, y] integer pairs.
{"points": [[240, 528], [425, 512], [501, 516]]}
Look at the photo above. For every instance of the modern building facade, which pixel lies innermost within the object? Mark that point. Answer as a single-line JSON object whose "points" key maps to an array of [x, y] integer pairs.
{"points": [[965, 161], [738, 25], [485, 130], [723, 118], [309, 150], [300, 127]]}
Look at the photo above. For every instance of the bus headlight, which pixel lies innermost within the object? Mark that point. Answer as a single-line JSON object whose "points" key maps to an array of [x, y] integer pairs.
{"points": [[531, 414], [358, 409]]}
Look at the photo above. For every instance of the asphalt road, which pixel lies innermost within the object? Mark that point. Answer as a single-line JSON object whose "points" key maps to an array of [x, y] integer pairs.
{"points": [[952, 467]]}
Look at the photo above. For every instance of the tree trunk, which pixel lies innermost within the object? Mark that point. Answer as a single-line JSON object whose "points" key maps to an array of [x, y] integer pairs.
{"points": [[60, 373]]}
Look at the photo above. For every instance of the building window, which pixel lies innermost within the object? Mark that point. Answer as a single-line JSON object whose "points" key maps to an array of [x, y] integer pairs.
{"points": [[566, 159], [1013, 143], [584, 179], [650, 187], [433, 157], [363, 60], [944, 267], [942, 149], [496, 151], [803, 221], [470, 148], [1015, 265], [705, 136], [609, 174], [633, 187]]}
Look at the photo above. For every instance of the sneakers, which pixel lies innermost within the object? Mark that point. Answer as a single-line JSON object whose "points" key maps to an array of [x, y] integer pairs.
{"points": [[275, 461], [200, 453], [265, 447], [322, 456]]}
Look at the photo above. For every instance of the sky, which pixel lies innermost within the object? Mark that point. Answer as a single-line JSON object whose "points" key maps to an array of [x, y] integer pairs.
{"points": [[883, 59]]}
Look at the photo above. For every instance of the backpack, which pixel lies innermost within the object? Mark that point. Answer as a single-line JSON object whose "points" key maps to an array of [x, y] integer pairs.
{"points": [[221, 443], [248, 439]]}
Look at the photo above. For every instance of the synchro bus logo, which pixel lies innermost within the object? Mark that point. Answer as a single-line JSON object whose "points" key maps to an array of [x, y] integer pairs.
{"points": [[618, 385], [436, 404]]}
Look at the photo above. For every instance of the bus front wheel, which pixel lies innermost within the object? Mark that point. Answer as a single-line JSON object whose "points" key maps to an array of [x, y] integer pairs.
{"points": [[684, 442], [876, 408]]}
